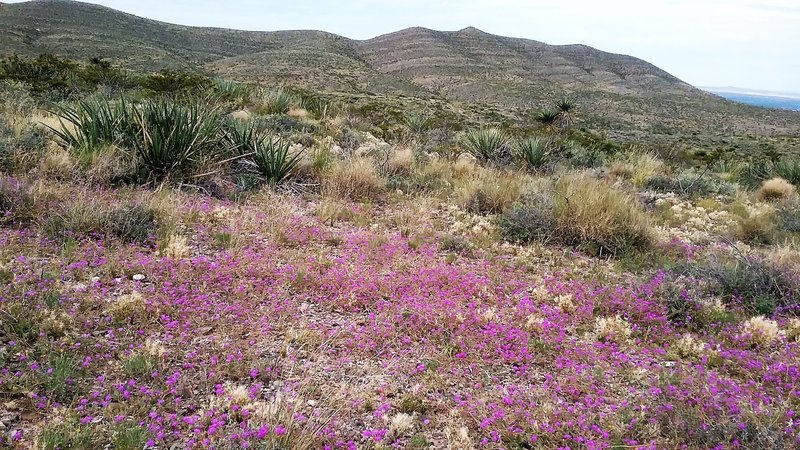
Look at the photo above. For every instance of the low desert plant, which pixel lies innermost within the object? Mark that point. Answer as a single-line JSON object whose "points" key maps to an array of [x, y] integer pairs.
{"points": [[595, 216], [752, 282], [580, 211], [131, 223], [484, 144], [17, 201], [90, 125], [276, 101]]}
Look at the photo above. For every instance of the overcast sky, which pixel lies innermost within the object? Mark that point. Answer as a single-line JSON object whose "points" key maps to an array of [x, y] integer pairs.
{"points": [[742, 43]]}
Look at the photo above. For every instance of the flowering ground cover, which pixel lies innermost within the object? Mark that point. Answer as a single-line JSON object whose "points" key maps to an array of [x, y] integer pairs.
{"points": [[260, 325]]}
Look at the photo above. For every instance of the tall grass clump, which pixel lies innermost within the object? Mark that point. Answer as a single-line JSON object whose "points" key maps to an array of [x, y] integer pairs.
{"points": [[533, 152], [276, 101], [17, 201], [354, 179], [581, 211], [172, 137], [484, 144], [491, 191]]}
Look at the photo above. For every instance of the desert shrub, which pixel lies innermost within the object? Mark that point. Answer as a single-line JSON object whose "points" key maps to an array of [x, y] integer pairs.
{"points": [[274, 160], [21, 149], [354, 179], [275, 101], [532, 219], [789, 217], [491, 192], [776, 189], [580, 157], [53, 76], [484, 144], [131, 223], [533, 152], [173, 137], [176, 82], [751, 281], [17, 201], [691, 183], [349, 139]]}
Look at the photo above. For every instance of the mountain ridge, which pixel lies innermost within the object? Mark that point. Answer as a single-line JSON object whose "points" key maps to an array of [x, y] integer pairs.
{"points": [[620, 94]]}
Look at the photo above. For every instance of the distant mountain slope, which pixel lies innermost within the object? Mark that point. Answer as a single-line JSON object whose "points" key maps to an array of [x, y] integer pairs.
{"points": [[619, 94]]}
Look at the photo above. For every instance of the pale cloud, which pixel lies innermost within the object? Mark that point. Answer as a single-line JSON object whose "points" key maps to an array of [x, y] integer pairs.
{"points": [[744, 43]]}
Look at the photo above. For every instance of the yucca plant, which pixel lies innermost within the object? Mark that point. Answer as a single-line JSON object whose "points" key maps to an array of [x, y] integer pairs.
{"points": [[172, 136], [533, 152], [417, 123], [566, 110], [91, 125], [548, 118], [484, 144], [231, 90], [274, 161]]}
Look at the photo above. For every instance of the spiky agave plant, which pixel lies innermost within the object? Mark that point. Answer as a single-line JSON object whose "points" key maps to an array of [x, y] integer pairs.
{"points": [[274, 160], [484, 144], [533, 152], [172, 136]]}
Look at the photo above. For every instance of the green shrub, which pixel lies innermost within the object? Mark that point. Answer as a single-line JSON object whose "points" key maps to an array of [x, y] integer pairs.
{"points": [[176, 82], [484, 144], [231, 91], [243, 136], [750, 281], [274, 161], [532, 219], [173, 137]]}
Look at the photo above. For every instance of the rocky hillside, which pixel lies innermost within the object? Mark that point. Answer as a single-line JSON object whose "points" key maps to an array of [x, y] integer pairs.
{"points": [[621, 95]]}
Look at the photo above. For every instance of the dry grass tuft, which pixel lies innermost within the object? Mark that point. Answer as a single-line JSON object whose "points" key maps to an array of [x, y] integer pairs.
{"points": [[776, 189], [355, 179], [491, 191]]}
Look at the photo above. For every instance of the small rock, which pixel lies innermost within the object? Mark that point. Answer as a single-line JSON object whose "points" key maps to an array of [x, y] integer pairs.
{"points": [[138, 277], [312, 403]]}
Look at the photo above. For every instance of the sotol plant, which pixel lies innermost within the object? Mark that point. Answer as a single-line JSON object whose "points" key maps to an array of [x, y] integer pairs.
{"points": [[91, 125]]}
